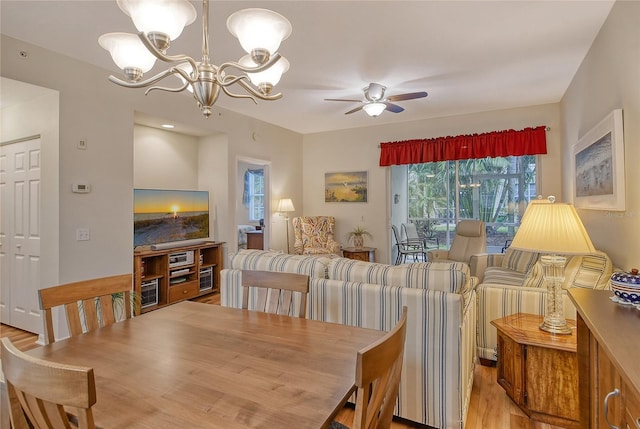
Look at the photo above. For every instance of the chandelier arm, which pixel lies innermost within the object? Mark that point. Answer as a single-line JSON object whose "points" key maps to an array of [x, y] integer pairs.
{"points": [[168, 58], [164, 88], [184, 75], [261, 96], [228, 80], [142, 83], [233, 95], [274, 59]]}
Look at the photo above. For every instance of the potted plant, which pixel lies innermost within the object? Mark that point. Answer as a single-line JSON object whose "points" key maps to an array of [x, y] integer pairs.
{"points": [[357, 235]]}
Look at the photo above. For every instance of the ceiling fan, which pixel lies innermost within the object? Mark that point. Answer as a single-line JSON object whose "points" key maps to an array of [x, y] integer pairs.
{"points": [[375, 102]]}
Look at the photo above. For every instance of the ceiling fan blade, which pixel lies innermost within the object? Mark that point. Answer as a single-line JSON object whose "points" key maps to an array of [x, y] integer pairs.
{"points": [[408, 96], [354, 110], [342, 99], [393, 107]]}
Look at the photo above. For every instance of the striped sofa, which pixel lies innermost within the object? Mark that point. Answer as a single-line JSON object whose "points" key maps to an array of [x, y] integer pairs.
{"points": [[513, 283], [440, 349]]}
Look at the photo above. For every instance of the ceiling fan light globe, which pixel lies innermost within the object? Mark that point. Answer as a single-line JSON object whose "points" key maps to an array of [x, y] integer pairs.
{"points": [[258, 28], [127, 51], [159, 16], [374, 109], [268, 78]]}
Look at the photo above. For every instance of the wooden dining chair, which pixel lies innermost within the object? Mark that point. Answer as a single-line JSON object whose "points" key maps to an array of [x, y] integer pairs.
{"points": [[378, 370], [275, 291], [38, 390], [88, 304]]}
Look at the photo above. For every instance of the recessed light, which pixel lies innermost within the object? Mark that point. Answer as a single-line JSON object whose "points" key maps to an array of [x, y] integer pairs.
{"points": [[169, 126]]}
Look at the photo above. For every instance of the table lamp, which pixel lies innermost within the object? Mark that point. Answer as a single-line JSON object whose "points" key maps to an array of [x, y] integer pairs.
{"points": [[285, 205], [552, 229]]}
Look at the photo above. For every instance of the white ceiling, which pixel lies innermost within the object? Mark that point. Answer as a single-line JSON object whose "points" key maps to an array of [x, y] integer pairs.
{"points": [[470, 56]]}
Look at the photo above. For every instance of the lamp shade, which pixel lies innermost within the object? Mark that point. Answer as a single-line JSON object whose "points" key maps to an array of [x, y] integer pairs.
{"points": [[374, 109], [286, 205], [159, 16], [270, 76], [552, 228], [259, 29], [127, 51]]}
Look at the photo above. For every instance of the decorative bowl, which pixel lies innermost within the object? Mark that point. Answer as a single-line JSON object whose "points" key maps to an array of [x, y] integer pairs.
{"points": [[626, 286]]}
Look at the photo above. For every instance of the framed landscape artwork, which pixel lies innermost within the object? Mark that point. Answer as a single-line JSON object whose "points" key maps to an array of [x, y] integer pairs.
{"points": [[349, 187], [598, 166]]}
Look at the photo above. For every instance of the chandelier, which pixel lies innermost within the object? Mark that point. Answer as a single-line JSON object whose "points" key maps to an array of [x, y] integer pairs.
{"points": [[259, 31]]}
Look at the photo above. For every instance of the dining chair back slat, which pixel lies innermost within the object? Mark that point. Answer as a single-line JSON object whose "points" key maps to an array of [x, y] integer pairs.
{"points": [[88, 304], [275, 291], [38, 391], [378, 371]]}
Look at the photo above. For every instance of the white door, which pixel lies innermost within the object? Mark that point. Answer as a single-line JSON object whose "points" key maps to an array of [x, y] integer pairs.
{"points": [[20, 165]]}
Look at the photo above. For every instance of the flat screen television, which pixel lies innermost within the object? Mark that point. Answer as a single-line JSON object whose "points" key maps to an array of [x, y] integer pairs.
{"points": [[165, 216]]}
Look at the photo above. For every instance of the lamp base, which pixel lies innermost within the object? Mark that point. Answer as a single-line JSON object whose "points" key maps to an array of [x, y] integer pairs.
{"points": [[555, 328], [553, 272]]}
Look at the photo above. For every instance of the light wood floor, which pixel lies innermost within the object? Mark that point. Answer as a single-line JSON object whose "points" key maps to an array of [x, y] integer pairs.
{"points": [[489, 408]]}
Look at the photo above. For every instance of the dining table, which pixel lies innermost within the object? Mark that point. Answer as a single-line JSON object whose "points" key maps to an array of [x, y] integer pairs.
{"points": [[196, 365]]}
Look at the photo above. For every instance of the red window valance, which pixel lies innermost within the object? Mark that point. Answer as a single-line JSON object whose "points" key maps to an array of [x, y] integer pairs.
{"points": [[530, 141]]}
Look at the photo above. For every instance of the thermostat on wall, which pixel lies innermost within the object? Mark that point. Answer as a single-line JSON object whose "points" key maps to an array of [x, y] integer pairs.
{"points": [[81, 188]]}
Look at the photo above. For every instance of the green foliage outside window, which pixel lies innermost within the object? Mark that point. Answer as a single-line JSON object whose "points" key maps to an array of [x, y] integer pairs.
{"points": [[495, 190]]}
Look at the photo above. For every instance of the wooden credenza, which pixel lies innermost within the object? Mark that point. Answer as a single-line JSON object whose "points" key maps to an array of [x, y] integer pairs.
{"points": [[163, 277], [608, 360]]}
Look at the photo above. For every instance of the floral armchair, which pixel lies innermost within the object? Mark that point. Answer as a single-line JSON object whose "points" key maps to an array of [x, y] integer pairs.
{"points": [[315, 235]]}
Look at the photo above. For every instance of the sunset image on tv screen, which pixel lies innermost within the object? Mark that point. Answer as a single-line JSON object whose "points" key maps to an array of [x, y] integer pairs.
{"points": [[161, 216]]}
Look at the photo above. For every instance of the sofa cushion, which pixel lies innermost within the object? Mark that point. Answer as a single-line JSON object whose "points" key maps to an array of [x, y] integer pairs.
{"points": [[519, 260], [591, 271], [313, 266], [503, 276], [444, 276]]}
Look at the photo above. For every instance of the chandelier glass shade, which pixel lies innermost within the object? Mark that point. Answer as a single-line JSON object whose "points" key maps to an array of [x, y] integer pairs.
{"points": [[128, 52], [259, 31], [374, 109]]}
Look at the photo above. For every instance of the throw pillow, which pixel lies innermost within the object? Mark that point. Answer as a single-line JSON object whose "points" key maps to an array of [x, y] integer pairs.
{"points": [[519, 260]]}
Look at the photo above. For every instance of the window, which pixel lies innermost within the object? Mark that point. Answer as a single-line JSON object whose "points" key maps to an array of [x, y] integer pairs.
{"points": [[495, 190], [256, 195]]}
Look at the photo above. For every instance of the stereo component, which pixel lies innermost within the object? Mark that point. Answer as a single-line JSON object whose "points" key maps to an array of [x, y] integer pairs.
{"points": [[179, 259]]}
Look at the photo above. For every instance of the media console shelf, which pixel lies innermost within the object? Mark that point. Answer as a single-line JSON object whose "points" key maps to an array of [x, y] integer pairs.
{"points": [[164, 277]]}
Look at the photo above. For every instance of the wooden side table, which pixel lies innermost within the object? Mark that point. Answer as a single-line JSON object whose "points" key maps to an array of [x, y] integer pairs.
{"points": [[255, 240], [367, 254], [539, 370]]}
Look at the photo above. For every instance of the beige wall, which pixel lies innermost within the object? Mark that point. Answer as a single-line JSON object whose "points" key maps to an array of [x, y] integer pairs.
{"points": [[608, 79], [164, 159], [357, 150]]}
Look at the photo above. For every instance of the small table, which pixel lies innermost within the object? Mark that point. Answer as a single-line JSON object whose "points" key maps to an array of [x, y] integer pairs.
{"points": [[367, 254], [255, 240], [539, 370]]}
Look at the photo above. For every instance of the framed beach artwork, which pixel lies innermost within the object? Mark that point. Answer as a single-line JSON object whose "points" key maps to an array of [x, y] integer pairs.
{"points": [[348, 187], [598, 166]]}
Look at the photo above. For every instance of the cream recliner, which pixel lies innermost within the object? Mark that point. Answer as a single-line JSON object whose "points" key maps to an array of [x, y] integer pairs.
{"points": [[470, 239]]}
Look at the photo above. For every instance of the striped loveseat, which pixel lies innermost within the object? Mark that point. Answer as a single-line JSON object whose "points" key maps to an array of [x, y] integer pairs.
{"points": [[513, 283], [440, 349]]}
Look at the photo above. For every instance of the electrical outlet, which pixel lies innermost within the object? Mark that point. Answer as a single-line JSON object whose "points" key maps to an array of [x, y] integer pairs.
{"points": [[83, 234], [82, 144]]}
